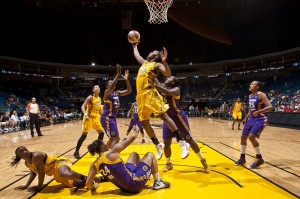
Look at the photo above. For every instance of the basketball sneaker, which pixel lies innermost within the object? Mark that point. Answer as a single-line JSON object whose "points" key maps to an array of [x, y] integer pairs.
{"points": [[159, 184], [205, 165], [168, 167], [240, 162], [76, 155], [143, 141], [159, 150], [184, 149], [257, 163]]}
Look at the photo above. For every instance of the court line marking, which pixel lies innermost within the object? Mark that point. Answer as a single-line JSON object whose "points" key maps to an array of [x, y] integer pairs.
{"points": [[255, 172], [265, 162], [3, 188], [45, 185], [233, 180]]}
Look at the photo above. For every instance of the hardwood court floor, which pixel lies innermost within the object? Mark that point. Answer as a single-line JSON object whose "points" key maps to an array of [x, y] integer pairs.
{"points": [[280, 148]]}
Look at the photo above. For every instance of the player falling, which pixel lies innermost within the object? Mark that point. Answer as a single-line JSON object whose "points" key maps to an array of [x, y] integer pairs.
{"points": [[148, 98], [171, 91], [255, 120], [135, 121], [111, 105]]}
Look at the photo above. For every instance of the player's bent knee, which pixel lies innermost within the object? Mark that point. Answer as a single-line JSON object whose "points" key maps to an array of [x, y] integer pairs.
{"points": [[150, 155]]}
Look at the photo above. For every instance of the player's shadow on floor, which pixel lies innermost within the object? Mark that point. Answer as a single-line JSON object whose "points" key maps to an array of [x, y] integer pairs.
{"points": [[116, 191], [53, 189]]}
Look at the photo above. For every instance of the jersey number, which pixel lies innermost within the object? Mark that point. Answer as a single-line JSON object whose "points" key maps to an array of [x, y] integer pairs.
{"points": [[105, 171]]}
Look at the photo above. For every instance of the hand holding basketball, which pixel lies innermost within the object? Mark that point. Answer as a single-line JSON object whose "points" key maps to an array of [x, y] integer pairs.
{"points": [[133, 37]]}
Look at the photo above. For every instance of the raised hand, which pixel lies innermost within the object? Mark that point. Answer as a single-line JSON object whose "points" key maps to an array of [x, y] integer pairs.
{"points": [[119, 70], [126, 75], [164, 55]]}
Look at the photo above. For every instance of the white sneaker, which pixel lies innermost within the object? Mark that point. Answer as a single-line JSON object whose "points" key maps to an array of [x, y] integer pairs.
{"points": [[184, 149], [160, 185], [159, 149]]}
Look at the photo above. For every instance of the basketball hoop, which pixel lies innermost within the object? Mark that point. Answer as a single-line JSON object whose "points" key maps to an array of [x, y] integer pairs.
{"points": [[158, 10]]}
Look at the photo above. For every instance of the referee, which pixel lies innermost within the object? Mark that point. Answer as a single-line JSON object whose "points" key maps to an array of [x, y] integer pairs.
{"points": [[33, 110]]}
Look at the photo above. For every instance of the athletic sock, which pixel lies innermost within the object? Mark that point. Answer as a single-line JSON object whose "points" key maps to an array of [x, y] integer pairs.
{"points": [[156, 177], [168, 160], [178, 135], [100, 136], [243, 149], [257, 150], [80, 141], [155, 140]]}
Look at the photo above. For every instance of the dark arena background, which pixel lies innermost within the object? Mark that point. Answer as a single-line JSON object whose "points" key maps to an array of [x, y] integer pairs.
{"points": [[57, 50]]}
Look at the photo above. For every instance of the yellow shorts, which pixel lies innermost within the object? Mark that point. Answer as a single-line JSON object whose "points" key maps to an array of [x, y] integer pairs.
{"points": [[237, 115], [57, 177], [91, 123], [150, 101]]}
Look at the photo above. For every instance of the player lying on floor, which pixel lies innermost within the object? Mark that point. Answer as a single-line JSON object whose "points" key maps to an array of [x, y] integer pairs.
{"points": [[41, 163], [129, 177]]}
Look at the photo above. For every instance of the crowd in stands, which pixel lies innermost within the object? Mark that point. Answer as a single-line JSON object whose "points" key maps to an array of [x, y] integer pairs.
{"points": [[13, 121]]}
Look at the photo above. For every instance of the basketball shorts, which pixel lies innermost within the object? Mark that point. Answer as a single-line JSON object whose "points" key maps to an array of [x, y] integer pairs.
{"points": [[57, 177], [140, 175], [237, 115], [150, 101], [91, 123], [182, 124], [110, 126], [135, 121], [255, 126]]}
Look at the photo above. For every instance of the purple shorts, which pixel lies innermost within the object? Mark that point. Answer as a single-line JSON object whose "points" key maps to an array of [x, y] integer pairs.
{"points": [[140, 175], [135, 121], [182, 124], [109, 125], [255, 125]]}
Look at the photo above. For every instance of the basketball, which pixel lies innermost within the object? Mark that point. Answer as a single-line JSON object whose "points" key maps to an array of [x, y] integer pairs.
{"points": [[133, 36]]}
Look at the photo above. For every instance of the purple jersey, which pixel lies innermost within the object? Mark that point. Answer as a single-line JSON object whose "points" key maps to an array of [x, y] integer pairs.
{"points": [[135, 110], [127, 177], [256, 104], [174, 106], [111, 105]]}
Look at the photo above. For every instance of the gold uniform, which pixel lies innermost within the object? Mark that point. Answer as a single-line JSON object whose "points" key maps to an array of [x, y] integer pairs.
{"points": [[93, 110], [237, 111], [148, 98], [52, 165]]}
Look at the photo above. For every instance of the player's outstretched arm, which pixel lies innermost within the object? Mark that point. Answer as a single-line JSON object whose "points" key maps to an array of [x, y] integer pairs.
{"points": [[90, 183], [111, 87], [164, 67], [137, 55], [128, 89], [123, 145]]}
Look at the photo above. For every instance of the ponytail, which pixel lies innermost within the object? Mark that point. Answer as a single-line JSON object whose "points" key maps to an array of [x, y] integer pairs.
{"points": [[15, 159]]}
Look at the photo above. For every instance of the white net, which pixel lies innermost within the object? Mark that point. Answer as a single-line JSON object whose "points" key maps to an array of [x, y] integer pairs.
{"points": [[158, 10]]}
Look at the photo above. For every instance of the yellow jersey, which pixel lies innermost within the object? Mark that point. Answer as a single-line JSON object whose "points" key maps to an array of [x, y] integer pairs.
{"points": [[145, 77], [237, 107], [94, 107], [51, 163]]}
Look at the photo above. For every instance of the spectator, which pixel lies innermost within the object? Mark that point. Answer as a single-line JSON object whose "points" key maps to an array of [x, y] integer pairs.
{"points": [[288, 108], [224, 110], [15, 121], [197, 111], [24, 121]]}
